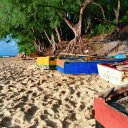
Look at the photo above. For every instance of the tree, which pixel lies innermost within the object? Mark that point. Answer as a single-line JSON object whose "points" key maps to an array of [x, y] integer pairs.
{"points": [[39, 21], [25, 20]]}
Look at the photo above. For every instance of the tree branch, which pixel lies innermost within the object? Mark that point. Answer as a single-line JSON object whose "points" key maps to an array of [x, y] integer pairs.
{"points": [[44, 5], [117, 12], [50, 6], [106, 21], [102, 10], [86, 2], [69, 23], [58, 34], [47, 37]]}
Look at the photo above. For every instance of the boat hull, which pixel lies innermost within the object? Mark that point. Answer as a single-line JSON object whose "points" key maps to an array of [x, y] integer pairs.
{"points": [[81, 67], [46, 62], [113, 75], [108, 114]]}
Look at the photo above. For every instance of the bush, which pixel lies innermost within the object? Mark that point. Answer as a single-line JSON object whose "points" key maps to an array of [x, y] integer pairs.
{"points": [[101, 29], [26, 48]]}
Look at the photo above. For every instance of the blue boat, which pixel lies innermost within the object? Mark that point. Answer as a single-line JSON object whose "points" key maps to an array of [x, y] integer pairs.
{"points": [[78, 66]]}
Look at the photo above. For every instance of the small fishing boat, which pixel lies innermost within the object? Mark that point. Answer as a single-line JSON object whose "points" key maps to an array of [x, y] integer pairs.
{"points": [[82, 65], [111, 108], [48, 62], [116, 73]]}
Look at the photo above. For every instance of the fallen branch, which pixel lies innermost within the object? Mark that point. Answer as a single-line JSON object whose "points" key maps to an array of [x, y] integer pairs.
{"points": [[70, 54]]}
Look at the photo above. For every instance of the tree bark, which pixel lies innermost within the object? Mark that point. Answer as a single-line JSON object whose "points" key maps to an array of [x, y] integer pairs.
{"points": [[38, 46], [58, 34], [102, 10], [47, 37], [52, 42], [76, 28], [37, 43], [117, 12], [88, 24]]}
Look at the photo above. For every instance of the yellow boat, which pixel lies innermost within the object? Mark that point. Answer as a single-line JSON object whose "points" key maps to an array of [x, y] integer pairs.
{"points": [[48, 62]]}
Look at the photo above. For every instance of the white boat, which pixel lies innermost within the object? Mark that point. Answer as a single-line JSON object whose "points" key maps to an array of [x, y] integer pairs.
{"points": [[116, 73]]}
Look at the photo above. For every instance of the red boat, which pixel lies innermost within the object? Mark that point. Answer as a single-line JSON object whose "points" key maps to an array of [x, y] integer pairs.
{"points": [[111, 108]]}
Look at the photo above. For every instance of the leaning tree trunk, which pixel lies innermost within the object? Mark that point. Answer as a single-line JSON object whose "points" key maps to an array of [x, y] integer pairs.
{"points": [[58, 34], [54, 46], [117, 12], [117, 15], [38, 46], [76, 28]]}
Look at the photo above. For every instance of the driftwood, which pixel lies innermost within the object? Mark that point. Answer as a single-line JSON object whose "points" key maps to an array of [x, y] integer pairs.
{"points": [[70, 54]]}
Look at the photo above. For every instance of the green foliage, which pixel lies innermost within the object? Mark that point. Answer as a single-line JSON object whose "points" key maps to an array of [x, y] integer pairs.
{"points": [[27, 48], [27, 19], [124, 20], [101, 29], [25, 44]]}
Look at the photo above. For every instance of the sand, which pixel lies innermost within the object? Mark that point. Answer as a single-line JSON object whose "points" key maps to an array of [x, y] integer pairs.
{"points": [[31, 97]]}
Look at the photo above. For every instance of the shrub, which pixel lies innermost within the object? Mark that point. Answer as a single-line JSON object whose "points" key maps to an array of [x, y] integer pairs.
{"points": [[101, 29]]}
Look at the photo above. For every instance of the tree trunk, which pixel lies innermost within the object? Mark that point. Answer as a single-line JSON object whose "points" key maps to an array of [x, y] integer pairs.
{"points": [[117, 12], [37, 43], [48, 37], [38, 46], [76, 28], [102, 10], [58, 34], [88, 24], [52, 42]]}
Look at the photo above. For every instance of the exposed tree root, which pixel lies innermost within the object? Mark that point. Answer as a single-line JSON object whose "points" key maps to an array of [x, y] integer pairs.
{"points": [[75, 46]]}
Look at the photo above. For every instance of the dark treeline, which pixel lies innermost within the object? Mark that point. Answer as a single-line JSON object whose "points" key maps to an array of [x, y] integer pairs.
{"points": [[38, 24]]}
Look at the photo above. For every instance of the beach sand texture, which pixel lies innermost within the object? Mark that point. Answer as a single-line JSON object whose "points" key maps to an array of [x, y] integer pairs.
{"points": [[35, 98]]}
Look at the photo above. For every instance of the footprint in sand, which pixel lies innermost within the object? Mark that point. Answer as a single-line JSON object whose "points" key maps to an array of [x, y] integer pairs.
{"points": [[21, 90], [15, 126], [73, 116], [51, 123], [62, 93], [20, 105], [72, 91], [5, 122], [1, 88], [30, 112], [82, 106], [11, 86], [56, 106], [65, 123], [40, 89], [14, 96], [46, 97], [1, 99], [78, 94], [7, 82], [34, 94], [44, 116], [24, 98], [58, 84], [71, 102], [29, 92]]}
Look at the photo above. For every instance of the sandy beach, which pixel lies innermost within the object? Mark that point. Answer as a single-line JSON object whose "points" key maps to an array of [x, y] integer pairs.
{"points": [[31, 97]]}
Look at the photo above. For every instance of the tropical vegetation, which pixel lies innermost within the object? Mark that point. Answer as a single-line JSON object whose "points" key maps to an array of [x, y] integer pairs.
{"points": [[39, 24]]}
